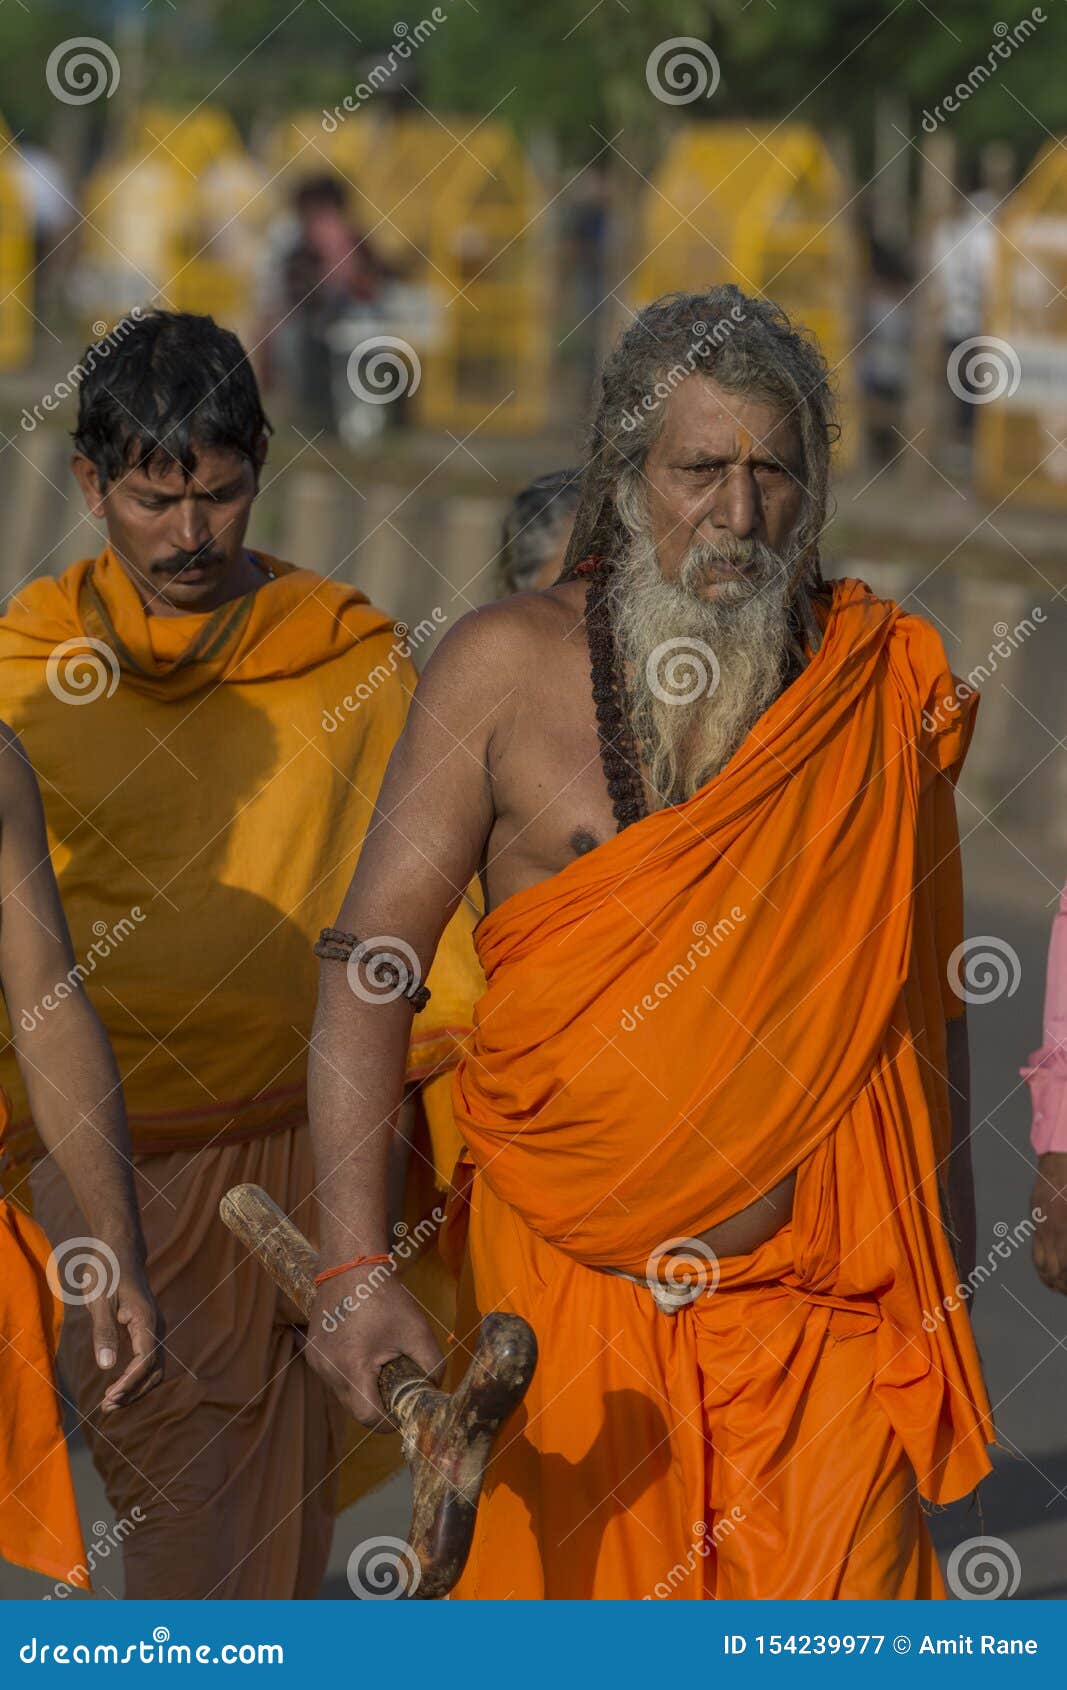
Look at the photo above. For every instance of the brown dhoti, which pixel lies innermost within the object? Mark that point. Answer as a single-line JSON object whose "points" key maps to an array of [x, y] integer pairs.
{"points": [[232, 1462]]}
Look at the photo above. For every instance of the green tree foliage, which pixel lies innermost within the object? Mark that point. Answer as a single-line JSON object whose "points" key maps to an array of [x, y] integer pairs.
{"points": [[573, 68]]}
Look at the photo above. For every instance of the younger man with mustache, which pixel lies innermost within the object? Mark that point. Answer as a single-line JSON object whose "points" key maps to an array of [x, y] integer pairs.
{"points": [[210, 726], [695, 777]]}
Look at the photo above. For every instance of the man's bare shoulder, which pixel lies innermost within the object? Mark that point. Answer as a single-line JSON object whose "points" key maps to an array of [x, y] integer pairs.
{"points": [[498, 640]]}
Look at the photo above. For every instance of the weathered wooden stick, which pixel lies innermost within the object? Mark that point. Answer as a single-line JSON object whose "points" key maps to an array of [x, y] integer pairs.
{"points": [[447, 1438]]}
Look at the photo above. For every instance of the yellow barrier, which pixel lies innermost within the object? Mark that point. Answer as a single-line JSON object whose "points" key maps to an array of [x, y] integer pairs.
{"points": [[177, 219], [1021, 430], [454, 207], [16, 263], [765, 208]]}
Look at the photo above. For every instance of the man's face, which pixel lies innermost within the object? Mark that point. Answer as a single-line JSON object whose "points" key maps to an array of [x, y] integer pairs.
{"points": [[180, 538], [724, 468]]}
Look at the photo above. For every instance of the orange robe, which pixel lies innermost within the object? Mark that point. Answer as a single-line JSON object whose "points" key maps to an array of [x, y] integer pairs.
{"points": [[745, 984], [38, 1516]]}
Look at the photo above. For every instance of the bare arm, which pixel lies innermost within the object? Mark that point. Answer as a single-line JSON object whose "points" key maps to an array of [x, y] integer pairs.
{"points": [[425, 842], [70, 1076]]}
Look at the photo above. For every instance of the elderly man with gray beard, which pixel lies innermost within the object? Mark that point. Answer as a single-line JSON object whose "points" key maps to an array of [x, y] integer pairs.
{"points": [[692, 774]]}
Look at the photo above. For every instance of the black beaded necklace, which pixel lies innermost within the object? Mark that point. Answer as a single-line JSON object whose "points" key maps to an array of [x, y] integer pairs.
{"points": [[618, 749]]}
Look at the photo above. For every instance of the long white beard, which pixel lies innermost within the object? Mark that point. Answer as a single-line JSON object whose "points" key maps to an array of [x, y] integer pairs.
{"points": [[700, 672]]}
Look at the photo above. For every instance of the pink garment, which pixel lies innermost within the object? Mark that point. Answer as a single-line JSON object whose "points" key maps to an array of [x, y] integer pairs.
{"points": [[1046, 1072]]}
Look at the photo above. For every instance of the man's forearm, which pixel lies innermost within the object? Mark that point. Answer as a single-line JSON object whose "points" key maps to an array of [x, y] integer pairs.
{"points": [[76, 1102], [356, 1069]]}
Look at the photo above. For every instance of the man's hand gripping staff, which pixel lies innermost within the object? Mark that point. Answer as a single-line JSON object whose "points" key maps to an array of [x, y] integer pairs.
{"points": [[448, 1438]]}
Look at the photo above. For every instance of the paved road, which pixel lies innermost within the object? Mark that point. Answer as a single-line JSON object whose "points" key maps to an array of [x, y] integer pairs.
{"points": [[1022, 1328]]}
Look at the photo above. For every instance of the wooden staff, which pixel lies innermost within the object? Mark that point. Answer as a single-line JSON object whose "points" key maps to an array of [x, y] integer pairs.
{"points": [[448, 1439]]}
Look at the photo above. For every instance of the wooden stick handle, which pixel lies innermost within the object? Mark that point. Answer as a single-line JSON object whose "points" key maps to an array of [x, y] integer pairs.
{"points": [[268, 1232]]}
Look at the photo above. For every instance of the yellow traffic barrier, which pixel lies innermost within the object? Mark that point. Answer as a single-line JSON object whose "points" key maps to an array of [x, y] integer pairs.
{"points": [[16, 263], [1018, 365], [763, 207], [453, 206], [177, 218]]}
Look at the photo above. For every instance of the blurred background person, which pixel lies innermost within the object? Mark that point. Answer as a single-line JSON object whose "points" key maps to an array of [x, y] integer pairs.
{"points": [[322, 269], [537, 530]]}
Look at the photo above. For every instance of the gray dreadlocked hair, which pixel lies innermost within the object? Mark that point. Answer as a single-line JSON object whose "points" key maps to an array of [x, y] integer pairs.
{"points": [[747, 345]]}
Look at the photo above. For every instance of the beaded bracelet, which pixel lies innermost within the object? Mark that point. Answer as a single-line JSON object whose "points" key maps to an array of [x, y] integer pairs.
{"points": [[333, 945]]}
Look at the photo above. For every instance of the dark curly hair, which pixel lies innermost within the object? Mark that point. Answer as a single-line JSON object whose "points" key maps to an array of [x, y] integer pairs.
{"points": [[161, 387]]}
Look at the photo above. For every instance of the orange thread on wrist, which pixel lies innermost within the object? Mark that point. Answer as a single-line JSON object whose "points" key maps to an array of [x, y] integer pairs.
{"points": [[343, 1267]]}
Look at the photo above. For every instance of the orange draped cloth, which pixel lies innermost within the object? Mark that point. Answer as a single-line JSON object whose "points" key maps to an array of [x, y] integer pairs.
{"points": [[749, 983], [38, 1517]]}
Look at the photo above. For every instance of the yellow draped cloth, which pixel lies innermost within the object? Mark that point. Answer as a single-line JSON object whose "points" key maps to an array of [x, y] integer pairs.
{"points": [[208, 780]]}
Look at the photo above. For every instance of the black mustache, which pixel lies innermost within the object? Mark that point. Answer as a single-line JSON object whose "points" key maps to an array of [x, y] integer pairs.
{"points": [[184, 560]]}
